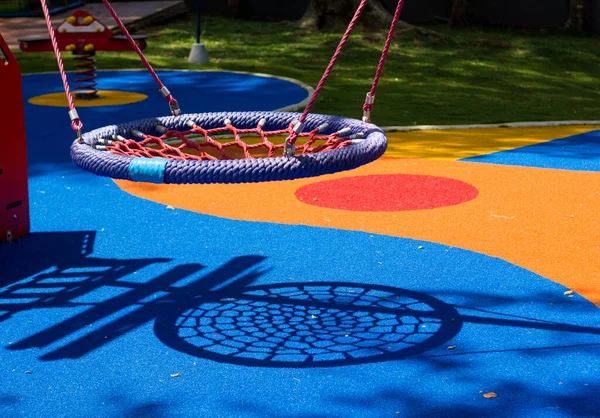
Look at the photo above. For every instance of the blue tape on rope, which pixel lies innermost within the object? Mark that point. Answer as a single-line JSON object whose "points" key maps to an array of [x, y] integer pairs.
{"points": [[149, 170]]}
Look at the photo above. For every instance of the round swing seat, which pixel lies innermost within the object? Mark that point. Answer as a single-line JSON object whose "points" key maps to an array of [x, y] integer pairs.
{"points": [[359, 144]]}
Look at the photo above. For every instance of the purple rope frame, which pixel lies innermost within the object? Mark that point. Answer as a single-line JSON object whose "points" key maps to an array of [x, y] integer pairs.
{"points": [[104, 163]]}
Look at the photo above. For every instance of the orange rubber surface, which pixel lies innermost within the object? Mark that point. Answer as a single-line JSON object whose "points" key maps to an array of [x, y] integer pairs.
{"points": [[543, 220]]}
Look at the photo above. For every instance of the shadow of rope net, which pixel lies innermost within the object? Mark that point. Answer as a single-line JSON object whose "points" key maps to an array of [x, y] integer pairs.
{"points": [[311, 325]]}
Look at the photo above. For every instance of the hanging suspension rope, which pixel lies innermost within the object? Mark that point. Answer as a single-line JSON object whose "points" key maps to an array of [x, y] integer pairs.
{"points": [[192, 149], [370, 98], [76, 123], [299, 126], [173, 105]]}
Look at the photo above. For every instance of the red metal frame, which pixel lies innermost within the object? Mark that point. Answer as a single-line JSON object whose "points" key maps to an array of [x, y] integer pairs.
{"points": [[14, 194]]}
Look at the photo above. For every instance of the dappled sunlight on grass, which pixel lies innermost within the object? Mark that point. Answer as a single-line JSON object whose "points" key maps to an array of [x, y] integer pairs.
{"points": [[478, 76]]}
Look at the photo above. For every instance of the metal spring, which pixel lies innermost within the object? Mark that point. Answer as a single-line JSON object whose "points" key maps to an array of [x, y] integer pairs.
{"points": [[85, 69]]}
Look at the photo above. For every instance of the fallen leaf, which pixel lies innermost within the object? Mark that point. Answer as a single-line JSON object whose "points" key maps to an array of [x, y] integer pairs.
{"points": [[452, 347], [420, 247], [178, 374], [490, 395], [568, 292]]}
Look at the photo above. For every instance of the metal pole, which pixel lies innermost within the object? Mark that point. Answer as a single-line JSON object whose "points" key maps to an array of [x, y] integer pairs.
{"points": [[198, 54], [198, 20]]}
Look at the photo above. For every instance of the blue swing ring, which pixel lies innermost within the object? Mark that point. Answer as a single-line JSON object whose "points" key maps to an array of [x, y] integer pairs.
{"points": [[249, 170]]}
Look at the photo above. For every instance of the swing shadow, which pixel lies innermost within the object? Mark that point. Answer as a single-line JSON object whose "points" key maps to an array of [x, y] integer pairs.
{"points": [[323, 324], [221, 314], [56, 272], [327, 324]]}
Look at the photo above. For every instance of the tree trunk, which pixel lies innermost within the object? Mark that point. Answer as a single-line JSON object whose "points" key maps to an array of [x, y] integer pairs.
{"points": [[459, 16], [335, 15], [237, 8], [578, 9]]}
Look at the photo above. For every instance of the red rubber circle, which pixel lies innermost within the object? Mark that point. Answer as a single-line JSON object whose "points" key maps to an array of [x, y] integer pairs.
{"points": [[387, 193]]}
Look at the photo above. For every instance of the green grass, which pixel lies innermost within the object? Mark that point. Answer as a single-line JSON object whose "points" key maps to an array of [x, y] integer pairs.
{"points": [[10, 7], [540, 76]]}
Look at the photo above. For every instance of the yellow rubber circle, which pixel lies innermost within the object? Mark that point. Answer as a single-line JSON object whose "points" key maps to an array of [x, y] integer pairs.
{"points": [[106, 98]]}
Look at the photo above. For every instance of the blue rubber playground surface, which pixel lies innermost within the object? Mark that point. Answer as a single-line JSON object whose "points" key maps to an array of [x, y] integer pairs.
{"points": [[117, 306], [578, 152]]}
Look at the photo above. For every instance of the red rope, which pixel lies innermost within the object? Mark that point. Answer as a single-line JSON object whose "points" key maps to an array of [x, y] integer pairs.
{"points": [[116, 18], [329, 69], [76, 123], [384, 54], [188, 149]]}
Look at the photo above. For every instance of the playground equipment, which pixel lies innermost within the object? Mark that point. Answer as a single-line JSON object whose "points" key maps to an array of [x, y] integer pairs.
{"points": [[83, 35], [14, 201], [180, 148]]}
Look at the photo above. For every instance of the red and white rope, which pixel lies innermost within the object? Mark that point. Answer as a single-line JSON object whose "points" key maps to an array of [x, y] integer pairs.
{"points": [[294, 135], [384, 53], [137, 49], [76, 123]]}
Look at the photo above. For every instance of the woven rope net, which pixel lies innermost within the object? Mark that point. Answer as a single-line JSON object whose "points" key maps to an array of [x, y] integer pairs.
{"points": [[224, 143]]}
